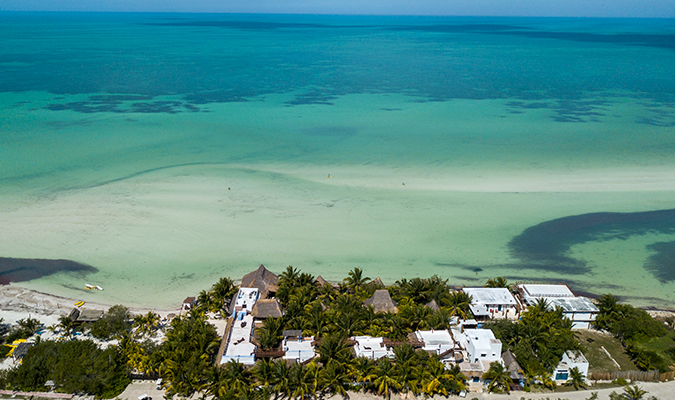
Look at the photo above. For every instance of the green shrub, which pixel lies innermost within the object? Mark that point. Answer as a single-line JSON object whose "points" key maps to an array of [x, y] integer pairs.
{"points": [[74, 366]]}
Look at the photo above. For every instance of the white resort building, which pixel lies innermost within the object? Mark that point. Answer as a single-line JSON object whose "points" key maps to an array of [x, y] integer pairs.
{"points": [[492, 302], [476, 349], [571, 359], [580, 310], [244, 301], [371, 347], [239, 346], [437, 341], [300, 349]]}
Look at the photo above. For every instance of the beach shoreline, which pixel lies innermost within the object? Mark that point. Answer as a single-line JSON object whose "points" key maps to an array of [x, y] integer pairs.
{"points": [[18, 302]]}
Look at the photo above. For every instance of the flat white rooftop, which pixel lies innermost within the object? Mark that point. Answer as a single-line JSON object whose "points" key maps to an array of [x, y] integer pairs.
{"points": [[239, 347], [301, 350], [371, 347], [538, 290], [435, 337], [481, 338], [496, 296], [574, 304], [246, 298]]}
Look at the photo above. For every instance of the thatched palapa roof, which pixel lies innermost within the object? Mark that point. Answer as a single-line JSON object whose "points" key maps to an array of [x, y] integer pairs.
{"points": [[515, 371], [381, 302], [319, 279], [266, 308], [377, 282], [433, 305], [262, 279], [77, 315]]}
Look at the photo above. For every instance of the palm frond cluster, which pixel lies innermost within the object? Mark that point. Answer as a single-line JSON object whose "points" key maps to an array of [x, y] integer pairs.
{"points": [[336, 372]]}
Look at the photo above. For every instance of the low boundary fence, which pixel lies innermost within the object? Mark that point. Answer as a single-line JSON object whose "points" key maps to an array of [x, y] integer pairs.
{"points": [[642, 376]]}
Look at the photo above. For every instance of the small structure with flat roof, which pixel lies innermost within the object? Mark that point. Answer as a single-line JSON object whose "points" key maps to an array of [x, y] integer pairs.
{"points": [[571, 359], [481, 345], [381, 302], [300, 349], [439, 342], [536, 290], [239, 346], [580, 310], [371, 347], [244, 301], [188, 303], [492, 302]]}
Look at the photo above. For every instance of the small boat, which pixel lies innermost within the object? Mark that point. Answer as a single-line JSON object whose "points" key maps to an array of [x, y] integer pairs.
{"points": [[88, 286], [79, 304], [98, 287]]}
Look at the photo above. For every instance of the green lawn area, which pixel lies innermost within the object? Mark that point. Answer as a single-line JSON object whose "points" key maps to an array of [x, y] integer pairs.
{"points": [[592, 343], [661, 345]]}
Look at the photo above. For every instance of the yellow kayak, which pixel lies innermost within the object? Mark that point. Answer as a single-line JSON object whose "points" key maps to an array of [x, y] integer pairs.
{"points": [[79, 304]]}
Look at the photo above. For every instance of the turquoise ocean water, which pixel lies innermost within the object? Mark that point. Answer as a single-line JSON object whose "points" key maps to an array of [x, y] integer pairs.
{"points": [[165, 150]]}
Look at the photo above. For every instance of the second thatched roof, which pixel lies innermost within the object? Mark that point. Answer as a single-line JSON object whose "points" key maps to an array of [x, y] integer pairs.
{"points": [[266, 308], [381, 301]]}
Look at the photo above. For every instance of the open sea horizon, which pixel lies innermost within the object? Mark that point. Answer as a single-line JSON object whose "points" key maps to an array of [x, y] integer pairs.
{"points": [[151, 153]]}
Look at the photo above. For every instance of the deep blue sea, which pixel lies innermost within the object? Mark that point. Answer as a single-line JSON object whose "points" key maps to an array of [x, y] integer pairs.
{"points": [[157, 152]]}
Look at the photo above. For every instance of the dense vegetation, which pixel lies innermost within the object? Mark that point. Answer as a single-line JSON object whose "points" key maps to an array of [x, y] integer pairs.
{"points": [[636, 329], [74, 365]]}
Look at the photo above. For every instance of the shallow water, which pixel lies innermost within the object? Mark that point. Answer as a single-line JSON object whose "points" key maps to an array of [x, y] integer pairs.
{"points": [[168, 150]]}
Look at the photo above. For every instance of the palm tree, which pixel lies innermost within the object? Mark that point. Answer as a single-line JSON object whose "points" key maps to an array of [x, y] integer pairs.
{"points": [[269, 335], [263, 372], [221, 294], [577, 379], [634, 392], [540, 306], [406, 374], [546, 379], [66, 324], [238, 378], [435, 378], [146, 324], [282, 379], [348, 324], [332, 347], [355, 279], [215, 385], [499, 282], [288, 276], [458, 304], [334, 378], [303, 380], [500, 379], [362, 369], [384, 378]]}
